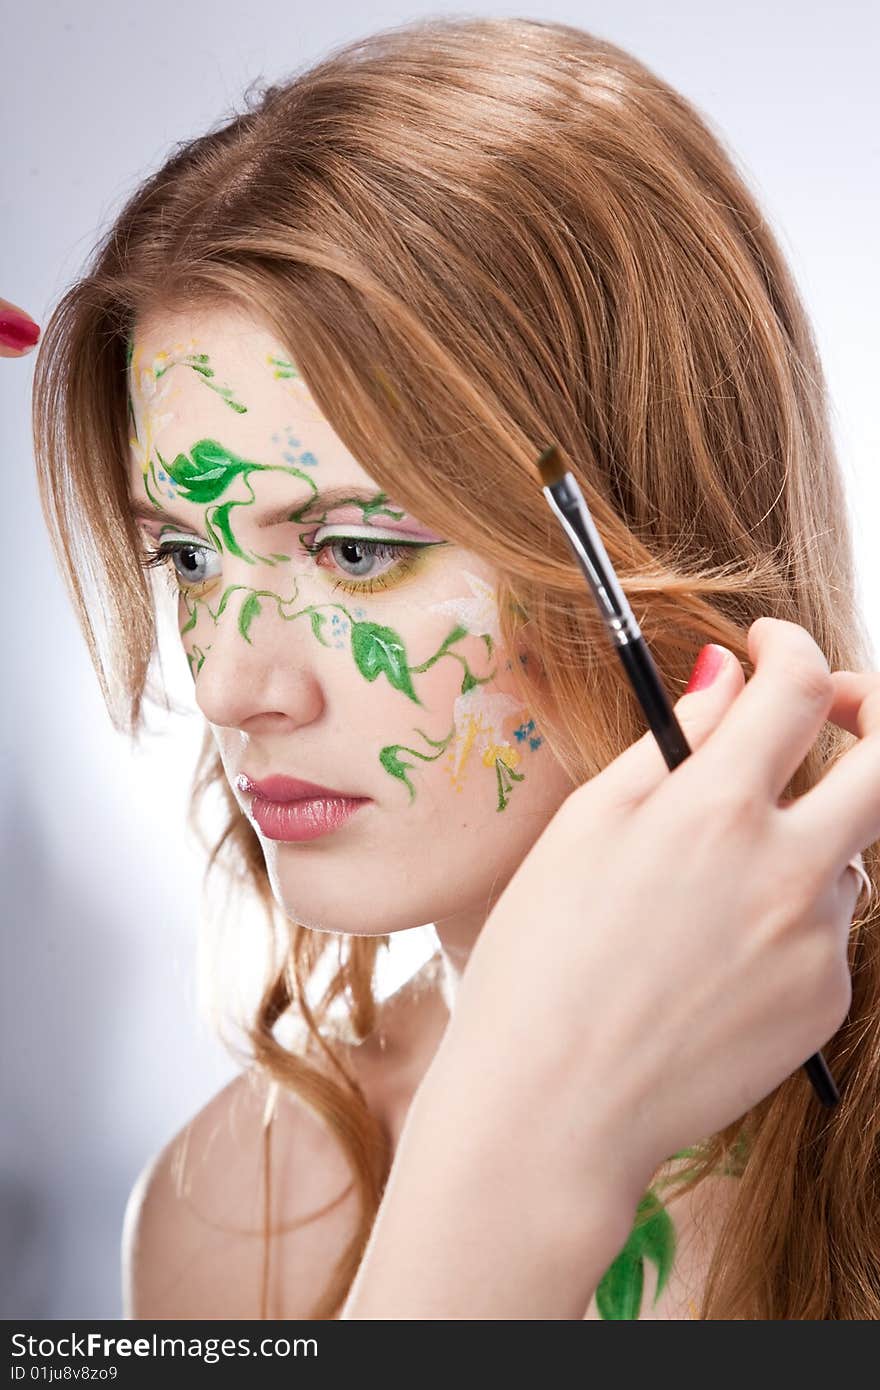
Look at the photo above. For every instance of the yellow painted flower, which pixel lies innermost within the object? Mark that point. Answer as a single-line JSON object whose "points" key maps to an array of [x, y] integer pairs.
{"points": [[501, 752], [479, 717]]}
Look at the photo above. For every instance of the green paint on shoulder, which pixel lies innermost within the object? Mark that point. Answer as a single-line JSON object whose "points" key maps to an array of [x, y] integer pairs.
{"points": [[619, 1295]]}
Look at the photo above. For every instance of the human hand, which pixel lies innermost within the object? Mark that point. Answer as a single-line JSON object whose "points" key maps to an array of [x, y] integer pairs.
{"points": [[674, 945], [18, 332]]}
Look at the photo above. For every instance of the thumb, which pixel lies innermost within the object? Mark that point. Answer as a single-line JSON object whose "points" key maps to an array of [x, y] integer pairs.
{"points": [[713, 687]]}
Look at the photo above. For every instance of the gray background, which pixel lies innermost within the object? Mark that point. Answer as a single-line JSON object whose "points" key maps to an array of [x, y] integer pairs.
{"points": [[107, 1047]]}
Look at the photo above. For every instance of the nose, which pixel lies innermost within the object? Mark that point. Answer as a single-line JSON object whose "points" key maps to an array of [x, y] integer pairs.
{"points": [[259, 670]]}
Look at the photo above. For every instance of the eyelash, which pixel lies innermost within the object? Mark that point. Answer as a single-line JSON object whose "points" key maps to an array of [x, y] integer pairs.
{"points": [[405, 553]]}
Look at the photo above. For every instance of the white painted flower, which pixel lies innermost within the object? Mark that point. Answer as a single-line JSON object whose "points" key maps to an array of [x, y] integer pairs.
{"points": [[478, 612], [148, 395], [479, 717]]}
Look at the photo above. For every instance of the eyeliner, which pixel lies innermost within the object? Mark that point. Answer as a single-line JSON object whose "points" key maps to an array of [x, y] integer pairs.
{"points": [[568, 504]]}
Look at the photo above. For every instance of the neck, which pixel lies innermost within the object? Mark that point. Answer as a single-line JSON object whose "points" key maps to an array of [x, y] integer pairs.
{"points": [[457, 936]]}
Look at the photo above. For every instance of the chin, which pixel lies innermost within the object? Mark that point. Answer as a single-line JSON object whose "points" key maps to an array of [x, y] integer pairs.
{"points": [[341, 913], [346, 916], [333, 928]]}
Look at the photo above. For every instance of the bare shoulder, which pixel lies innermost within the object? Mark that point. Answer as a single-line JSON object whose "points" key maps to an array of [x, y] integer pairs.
{"points": [[697, 1218], [193, 1232]]}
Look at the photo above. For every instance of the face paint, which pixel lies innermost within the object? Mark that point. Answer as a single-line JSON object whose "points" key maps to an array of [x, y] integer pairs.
{"points": [[653, 1237], [290, 383], [619, 1294], [478, 715], [379, 650], [154, 395], [211, 469]]}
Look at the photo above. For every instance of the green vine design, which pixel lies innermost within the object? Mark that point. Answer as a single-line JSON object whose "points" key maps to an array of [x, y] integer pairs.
{"points": [[377, 650], [201, 477], [619, 1294]]}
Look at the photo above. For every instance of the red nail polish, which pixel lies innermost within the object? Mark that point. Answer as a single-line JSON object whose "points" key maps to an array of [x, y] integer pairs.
{"points": [[706, 667], [16, 331]]}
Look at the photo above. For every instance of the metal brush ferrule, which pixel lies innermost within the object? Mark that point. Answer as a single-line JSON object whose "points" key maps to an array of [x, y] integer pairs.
{"points": [[568, 504]]}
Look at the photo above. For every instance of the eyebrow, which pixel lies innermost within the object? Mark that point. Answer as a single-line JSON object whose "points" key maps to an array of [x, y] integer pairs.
{"points": [[331, 497]]}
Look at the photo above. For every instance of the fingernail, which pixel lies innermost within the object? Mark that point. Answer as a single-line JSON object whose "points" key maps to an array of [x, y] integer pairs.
{"points": [[16, 331], [706, 667]]}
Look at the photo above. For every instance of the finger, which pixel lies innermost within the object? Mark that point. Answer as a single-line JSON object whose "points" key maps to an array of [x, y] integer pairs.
{"points": [[17, 330], [772, 726], [840, 816], [850, 891], [640, 768], [850, 689]]}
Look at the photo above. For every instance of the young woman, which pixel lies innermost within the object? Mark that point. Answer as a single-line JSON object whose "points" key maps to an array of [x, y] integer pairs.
{"points": [[307, 375]]}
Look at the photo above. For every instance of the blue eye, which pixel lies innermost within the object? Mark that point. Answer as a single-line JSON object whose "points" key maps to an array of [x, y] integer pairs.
{"points": [[362, 552], [188, 559], [191, 556]]}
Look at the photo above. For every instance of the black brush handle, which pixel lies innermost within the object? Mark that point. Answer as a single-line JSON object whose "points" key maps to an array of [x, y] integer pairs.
{"points": [[645, 679]]}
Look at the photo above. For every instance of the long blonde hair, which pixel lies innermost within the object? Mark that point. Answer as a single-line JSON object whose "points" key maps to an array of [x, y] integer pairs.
{"points": [[476, 236]]}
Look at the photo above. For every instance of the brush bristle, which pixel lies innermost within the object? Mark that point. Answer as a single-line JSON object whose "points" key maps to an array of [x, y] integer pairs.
{"points": [[550, 466]]}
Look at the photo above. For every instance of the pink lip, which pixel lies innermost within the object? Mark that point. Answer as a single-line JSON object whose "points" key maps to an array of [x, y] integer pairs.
{"points": [[305, 818], [287, 808], [281, 789]]}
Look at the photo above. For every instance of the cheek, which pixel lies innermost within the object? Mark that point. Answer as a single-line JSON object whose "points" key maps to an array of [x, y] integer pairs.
{"points": [[470, 732]]}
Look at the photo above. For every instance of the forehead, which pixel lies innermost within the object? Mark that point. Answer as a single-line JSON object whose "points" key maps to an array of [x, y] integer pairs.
{"points": [[219, 374]]}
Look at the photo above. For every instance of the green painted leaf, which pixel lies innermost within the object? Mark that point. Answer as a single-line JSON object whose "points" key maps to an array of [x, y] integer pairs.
{"points": [[199, 362], [655, 1238], [378, 649], [250, 609], [317, 620], [220, 519], [283, 368], [652, 1237], [619, 1296], [226, 596], [208, 470], [392, 762], [225, 393]]}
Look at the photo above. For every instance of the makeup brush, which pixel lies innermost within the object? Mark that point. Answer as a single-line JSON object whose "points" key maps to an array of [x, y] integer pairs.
{"points": [[567, 502]]}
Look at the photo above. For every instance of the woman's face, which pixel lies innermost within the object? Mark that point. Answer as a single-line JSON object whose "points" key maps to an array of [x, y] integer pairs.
{"points": [[370, 670]]}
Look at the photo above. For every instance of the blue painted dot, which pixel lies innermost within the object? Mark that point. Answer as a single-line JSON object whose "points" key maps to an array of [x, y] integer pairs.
{"points": [[161, 477], [308, 459]]}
